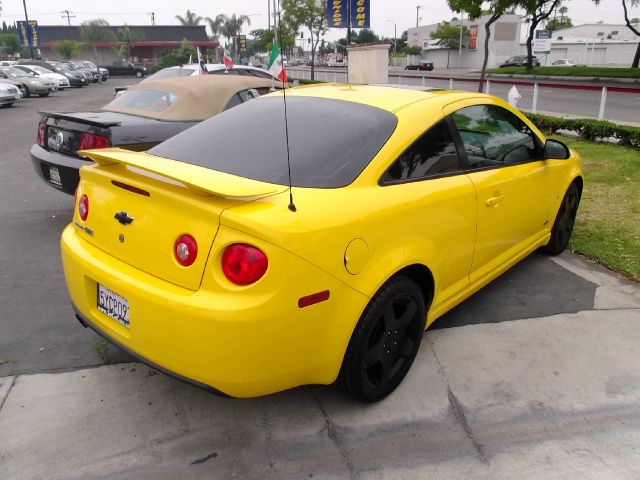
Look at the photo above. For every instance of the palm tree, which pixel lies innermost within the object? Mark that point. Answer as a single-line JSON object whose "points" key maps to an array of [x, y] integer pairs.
{"points": [[190, 18], [127, 37], [215, 24], [232, 26], [95, 31], [67, 49]]}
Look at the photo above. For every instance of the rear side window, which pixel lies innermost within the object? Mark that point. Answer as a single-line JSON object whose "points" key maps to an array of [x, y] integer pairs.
{"points": [[148, 100], [331, 141], [433, 154], [493, 136]]}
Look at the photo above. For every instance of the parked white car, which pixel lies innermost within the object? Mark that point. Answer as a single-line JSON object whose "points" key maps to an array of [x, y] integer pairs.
{"points": [[564, 63], [61, 81], [213, 69]]}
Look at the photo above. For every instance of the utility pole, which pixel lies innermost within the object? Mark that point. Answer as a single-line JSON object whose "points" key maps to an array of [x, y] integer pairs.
{"points": [[348, 23], [67, 14], [269, 13], [460, 42], [418, 7], [153, 18], [26, 17]]}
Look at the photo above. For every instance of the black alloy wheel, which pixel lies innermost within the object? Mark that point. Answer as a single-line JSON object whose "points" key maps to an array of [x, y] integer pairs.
{"points": [[565, 220], [385, 341]]}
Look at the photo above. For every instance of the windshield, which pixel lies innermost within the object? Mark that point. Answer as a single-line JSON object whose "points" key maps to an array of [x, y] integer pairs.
{"points": [[61, 67], [328, 148], [41, 70], [16, 73], [169, 73]]}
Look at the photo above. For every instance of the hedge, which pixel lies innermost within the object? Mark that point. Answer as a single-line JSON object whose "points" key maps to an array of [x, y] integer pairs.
{"points": [[588, 129]]}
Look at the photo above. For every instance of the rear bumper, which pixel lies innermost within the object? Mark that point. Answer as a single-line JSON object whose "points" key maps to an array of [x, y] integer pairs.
{"points": [[68, 168], [244, 342]]}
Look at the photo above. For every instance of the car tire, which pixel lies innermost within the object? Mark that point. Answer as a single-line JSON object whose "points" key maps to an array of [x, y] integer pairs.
{"points": [[43, 94], [385, 341], [564, 222], [138, 74], [27, 93]]}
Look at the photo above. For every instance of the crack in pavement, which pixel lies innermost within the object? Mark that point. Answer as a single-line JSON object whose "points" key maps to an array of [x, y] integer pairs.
{"points": [[204, 459], [13, 382], [333, 435], [458, 411]]}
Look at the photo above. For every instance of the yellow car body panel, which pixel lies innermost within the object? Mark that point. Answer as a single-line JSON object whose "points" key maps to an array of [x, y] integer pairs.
{"points": [[464, 229]]}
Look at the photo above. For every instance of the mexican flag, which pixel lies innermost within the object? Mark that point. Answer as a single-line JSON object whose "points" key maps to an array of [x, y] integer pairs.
{"points": [[275, 63], [227, 59]]}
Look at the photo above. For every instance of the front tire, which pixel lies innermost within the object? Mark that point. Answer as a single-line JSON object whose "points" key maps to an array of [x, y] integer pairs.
{"points": [[385, 341], [565, 220], [138, 74], [43, 94]]}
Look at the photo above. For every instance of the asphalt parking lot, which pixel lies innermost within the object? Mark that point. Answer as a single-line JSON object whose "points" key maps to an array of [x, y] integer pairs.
{"points": [[534, 376]]}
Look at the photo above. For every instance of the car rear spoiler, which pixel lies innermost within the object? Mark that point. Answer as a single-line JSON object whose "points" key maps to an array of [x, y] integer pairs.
{"points": [[88, 121], [201, 179]]}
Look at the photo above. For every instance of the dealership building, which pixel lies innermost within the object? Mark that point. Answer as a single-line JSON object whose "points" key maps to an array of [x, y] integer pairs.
{"points": [[596, 44], [149, 42]]}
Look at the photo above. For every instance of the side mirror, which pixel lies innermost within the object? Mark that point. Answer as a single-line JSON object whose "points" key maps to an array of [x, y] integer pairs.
{"points": [[556, 150]]}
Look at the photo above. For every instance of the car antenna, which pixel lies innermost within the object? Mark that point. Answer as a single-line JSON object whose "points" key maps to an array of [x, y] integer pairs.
{"points": [[292, 206]]}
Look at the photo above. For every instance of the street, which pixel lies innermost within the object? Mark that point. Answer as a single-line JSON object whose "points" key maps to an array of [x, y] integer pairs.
{"points": [[535, 376], [622, 107]]}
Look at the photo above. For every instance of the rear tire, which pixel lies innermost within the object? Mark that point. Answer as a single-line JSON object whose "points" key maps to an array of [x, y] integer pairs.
{"points": [[564, 222], [385, 341], [138, 74], [43, 94]]}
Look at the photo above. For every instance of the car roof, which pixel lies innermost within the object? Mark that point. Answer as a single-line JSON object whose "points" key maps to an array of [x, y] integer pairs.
{"points": [[197, 97], [385, 97]]}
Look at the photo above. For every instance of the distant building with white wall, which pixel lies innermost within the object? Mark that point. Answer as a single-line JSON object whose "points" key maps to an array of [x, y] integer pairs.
{"points": [[504, 42], [595, 44]]}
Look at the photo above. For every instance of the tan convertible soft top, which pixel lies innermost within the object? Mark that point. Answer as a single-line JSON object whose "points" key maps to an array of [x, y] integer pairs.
{"points": [[197, 98]]}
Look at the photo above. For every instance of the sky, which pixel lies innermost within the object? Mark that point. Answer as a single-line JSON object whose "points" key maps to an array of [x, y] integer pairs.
{"points": [[402, 12]]}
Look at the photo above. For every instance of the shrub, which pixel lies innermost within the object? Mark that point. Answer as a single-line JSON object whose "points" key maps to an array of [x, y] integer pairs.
{"points": [[588, 129]]}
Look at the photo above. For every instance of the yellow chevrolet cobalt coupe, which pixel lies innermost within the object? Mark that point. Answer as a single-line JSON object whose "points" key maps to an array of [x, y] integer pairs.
{"points": [[200, 259]]}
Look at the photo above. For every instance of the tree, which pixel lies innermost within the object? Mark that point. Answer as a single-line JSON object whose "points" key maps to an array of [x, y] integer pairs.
{"points": [[311, 14], [216, 24], [126, 38], [496, 10], [630, 25], [10, 44], [559, 23], [67, 49], [178, 56], [537, 12], [190, 18], [365, 35], [96, 31], [229, 27], [447, 36]]}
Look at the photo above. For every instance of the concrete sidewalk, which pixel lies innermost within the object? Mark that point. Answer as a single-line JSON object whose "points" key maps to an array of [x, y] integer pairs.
{"points": [[553, 397]]}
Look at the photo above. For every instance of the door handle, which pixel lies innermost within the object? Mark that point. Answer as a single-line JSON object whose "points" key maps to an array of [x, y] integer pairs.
{"points": [[494, 201]]}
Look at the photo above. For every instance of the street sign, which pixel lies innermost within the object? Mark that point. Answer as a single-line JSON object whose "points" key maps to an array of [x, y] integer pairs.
{"points": [[240, 42], [473, 37], [337, 13], [542, 42], [28, 33]]}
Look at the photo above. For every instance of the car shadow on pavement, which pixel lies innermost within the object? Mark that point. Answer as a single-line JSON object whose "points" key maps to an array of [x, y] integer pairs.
{"points": [[536, 287]]}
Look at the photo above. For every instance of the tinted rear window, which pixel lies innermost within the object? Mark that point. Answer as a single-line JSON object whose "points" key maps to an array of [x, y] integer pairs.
{"points": [[149, 100], [331, 141]]}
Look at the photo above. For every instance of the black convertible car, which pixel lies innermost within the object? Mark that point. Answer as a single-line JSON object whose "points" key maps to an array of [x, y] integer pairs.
{"points": [[143, 116]]}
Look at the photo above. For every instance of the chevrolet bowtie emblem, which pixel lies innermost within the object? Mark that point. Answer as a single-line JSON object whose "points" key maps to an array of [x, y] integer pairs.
{"points": [[124, 218]]}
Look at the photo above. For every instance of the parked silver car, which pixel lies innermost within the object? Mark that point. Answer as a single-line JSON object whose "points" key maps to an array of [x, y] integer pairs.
{"points": [[33, 85], [9, 94], [61, 81]]}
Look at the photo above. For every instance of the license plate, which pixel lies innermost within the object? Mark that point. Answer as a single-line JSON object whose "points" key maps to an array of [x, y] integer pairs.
{"points": [[54, 177], [113, 305]]}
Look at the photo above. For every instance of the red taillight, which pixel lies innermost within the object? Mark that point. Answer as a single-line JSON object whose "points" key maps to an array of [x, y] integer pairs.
{"points": [[244, 264], [42, 133], [83, 207], [185, 250], [89, 141]]}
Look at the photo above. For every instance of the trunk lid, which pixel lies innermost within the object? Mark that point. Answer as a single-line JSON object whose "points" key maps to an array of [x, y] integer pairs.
{"points": [[165, 199]]}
